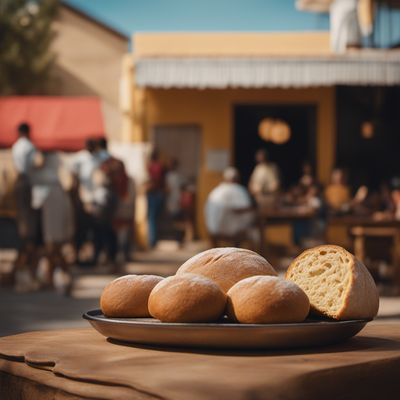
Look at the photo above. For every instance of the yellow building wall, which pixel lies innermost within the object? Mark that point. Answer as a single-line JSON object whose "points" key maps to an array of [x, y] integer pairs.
{"points": [[212, 110], [240, 44], [89, 63]]}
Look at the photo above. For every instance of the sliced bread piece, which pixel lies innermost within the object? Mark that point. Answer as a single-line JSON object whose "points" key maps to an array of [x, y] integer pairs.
{"points": [[338, 285]]}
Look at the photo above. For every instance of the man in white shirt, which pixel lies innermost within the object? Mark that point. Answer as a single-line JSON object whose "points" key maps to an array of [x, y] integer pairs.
{"points": [[23, 150], [83, 164], [26, 158], [265, 176], [229, 211]]}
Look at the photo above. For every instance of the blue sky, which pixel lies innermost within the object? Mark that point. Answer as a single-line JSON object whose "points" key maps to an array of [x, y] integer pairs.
{"points": [[131, 16]]}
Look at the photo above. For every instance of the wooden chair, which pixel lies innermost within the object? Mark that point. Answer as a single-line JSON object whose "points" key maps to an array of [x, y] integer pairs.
{"points": [[362, 233]]}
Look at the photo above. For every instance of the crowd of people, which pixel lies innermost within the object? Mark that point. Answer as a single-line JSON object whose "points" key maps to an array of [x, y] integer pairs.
{"points": [[66, 201], [89, 197], [170, 198], [232, 210]]}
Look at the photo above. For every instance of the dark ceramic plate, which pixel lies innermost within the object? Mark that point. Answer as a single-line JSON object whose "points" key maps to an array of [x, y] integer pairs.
{"points": [[224, 335]]}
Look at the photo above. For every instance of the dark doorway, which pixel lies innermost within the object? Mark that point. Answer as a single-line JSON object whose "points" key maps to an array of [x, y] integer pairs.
{"points": [[373, 160], [289, 156]]}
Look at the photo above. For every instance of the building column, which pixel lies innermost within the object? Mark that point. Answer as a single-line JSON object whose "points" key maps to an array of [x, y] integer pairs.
{"points": [[133, 112], [326, 134]]}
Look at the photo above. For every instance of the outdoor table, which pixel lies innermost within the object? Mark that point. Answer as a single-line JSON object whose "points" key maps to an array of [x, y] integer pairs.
{"points": [[80, 363], [268, 217], [281, 215], [362, 220], [359, 227]]}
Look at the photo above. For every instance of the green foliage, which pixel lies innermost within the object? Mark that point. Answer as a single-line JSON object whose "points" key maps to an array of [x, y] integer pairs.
{"points": [[25, 45]]}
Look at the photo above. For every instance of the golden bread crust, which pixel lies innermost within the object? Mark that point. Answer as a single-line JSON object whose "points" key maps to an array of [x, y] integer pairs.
{"points": [[127, 296], [266, 300], [187, 298], [227, 265]]}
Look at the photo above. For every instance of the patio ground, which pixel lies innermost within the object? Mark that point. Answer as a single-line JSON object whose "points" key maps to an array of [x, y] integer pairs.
{"points": [[20, 312]]}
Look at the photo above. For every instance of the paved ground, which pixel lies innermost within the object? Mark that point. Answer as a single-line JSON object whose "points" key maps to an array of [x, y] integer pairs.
{"points": [[21, 312]]}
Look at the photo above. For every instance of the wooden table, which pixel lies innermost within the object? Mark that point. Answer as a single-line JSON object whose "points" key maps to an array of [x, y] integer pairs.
{"points": [[360, 228], [79, 363], [268, 217], [285, 214], [365, 220]]}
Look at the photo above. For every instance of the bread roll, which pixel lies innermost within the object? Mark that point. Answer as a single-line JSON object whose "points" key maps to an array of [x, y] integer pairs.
{"points": [[338, 285], [187, 298], [227, 265], [128, 295], [267, 300]]}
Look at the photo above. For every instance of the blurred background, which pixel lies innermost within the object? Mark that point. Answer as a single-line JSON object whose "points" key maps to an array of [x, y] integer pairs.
{"points": [[135, 134]]}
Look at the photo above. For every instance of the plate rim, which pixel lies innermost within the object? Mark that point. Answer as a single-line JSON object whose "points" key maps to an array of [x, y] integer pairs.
{"points": [[93, 315]]}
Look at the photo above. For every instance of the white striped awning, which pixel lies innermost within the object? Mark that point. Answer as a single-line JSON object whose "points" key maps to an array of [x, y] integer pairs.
{"points": [[379, 67]]}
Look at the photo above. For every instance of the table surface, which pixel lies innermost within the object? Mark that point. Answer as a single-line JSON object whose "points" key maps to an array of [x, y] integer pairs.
{"points": [[280, 214], [286, 213], [367, 221], [80, 363]]}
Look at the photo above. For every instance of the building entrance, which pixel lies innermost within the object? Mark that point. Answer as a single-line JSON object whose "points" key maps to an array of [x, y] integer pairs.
{"points": [[288, 156]]}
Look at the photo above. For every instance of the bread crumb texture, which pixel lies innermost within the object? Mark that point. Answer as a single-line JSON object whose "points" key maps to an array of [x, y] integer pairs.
{"points": [[337, 284]]}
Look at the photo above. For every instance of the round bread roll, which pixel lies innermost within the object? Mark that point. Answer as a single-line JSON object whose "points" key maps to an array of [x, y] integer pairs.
{"points": [[227, 265], [187, 298], [128, 295], [338, 285], [267, 300]]}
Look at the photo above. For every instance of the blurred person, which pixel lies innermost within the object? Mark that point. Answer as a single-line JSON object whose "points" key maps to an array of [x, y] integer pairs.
{"points": [[50, 195], [53, 217], [188, 209], [118, 182], [307, 177], [83, 165], [26, 158], [155, 195], [380, 203], [359, 203], [337, 193], [102, 208], [297, 193], [102, 152], [173, 182], [264, 180], [344, 25], [229, 210], [113, 168], [385, 198], [310, 228]]}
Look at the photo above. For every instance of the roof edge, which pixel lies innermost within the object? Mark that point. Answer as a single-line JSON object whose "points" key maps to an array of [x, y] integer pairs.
{"points": [[96, 21]]}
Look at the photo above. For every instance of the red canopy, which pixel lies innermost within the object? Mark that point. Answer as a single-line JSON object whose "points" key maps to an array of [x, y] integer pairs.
{"points": [[57, 123]]}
